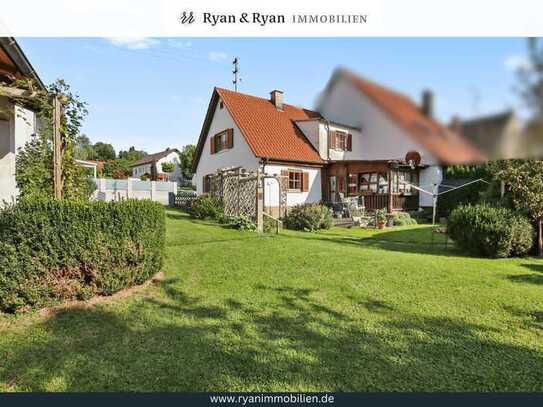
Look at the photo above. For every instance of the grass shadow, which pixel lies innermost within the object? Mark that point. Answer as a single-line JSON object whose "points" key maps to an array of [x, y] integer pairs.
{"points": [[530, 319], [394, 246], [290, 340], [534, 267], [536, 277]]}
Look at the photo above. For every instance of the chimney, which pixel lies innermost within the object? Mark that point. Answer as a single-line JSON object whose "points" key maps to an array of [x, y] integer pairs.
{"points": [[276, 97], [427, 106]]}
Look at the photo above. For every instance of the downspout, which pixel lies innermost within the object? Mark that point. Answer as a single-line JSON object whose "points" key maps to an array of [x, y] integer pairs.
{"points": [[326, 182], [327, 127]]}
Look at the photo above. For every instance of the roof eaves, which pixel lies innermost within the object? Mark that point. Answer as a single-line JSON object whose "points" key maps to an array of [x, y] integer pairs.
{"points": [[12, 48]]}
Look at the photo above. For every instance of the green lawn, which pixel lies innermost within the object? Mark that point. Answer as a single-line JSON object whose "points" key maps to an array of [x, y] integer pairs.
{"points": [[344, 310]]}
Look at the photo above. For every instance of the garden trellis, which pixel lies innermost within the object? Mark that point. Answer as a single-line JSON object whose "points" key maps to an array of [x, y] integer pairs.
{"points": [[242, 193]]}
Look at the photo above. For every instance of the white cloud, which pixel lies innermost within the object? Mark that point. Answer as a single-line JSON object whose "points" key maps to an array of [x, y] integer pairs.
{"points": [[517, 62], [134, 42], [180, 44], [217, 56]]}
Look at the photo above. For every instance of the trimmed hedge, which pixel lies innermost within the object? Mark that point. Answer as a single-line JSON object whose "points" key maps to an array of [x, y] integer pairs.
{"points": [[52, 251], [309, 217], [490, 231]]}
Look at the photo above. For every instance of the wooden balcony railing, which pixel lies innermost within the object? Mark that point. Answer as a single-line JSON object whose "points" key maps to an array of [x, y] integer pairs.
{"points": [[380, 201]]}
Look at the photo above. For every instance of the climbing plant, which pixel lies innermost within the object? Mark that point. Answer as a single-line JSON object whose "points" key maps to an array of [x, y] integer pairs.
{"points": [[34, 161]]}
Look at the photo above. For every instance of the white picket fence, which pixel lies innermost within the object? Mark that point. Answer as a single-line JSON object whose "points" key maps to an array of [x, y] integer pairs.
{"points": [[118, 189]]}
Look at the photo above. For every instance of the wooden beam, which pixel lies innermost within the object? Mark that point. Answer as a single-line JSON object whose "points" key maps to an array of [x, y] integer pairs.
{"points": [[390, 196], [19, 93]]}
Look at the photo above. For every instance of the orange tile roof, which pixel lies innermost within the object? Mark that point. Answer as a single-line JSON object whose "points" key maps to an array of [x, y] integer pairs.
{"points": [[269, 132], [440, 141]]}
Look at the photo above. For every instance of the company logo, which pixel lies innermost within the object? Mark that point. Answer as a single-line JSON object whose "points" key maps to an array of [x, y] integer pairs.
{"points": [[186, 17]]}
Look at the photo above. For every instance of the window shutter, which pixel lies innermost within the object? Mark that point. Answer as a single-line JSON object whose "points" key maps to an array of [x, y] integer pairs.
{"points": [[349, 142], [205, 186], [230, 138], [332, 140], [212, 144], [284, 173], [305, 181]]}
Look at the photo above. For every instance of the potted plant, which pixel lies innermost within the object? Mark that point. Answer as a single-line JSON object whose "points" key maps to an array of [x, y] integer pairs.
{"points": [[381, 218]]}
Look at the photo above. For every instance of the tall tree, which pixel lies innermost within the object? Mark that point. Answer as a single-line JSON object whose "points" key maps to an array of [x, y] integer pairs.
{"points": [[531, 78], [531, 90], [83, 148], [132, 154], [186, 156], [103, 152], [524, 179]]}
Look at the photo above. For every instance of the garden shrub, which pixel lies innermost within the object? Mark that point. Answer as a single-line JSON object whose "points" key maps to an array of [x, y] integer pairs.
{"points": [[207, 207], [423, 215], [52, 250], [490, 231], [241, 223], [403, 219], [309, 217], [270, 225]]}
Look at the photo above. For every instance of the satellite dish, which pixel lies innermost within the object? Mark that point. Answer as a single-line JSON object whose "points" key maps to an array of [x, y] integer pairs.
{"points": [[413, 158]]}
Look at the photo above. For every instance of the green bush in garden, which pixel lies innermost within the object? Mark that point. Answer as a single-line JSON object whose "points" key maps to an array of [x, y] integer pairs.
{"points": [[207, 207], [403, 219], [53, 250], [490, 231], [309, 217], [241, 223]]}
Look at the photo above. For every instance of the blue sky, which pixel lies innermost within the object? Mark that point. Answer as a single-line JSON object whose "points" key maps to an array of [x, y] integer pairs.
{"points": [[153, 92]]}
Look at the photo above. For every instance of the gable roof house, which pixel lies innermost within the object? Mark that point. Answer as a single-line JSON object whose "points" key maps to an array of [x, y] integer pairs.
{"points": [[361, 140], [499, 136], [151, 165], [18, 121]]}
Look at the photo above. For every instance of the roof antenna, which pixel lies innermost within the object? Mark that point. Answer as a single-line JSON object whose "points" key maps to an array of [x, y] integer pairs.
{"points": [[237, 79]]}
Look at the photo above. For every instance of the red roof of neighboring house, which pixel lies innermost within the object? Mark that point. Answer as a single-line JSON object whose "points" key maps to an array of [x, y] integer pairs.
{"points": [[271, 133], [445, 144], [151, 158]]}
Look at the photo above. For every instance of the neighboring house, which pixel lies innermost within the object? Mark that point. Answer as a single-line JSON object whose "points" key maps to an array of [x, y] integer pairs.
{"points": [[151, 166], [498, 136], [17, 121], [362, 139]]}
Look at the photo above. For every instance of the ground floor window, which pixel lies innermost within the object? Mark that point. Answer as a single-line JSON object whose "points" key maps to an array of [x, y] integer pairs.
{"points": [[295, 180], [377, 182], [373, 182], [402, 181]]}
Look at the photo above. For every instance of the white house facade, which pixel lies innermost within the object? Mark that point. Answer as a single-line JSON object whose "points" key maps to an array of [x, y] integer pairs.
{"points": [[363, 140], [151, 166]]}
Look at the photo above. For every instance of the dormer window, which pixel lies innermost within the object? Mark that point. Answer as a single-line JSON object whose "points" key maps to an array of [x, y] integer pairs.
{"points": [[341, 141]]}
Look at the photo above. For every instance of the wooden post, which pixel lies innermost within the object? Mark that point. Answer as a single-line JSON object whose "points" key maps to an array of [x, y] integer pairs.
{"points": [[390, 198], [540, 237], [259, 203], [57, 148]]}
